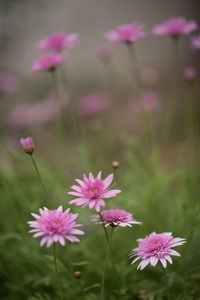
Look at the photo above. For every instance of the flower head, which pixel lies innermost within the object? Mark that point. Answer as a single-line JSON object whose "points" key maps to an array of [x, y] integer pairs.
{"points": [[55, 226], [92, 191], [175, 27], [190, 74], [58, 41], [128, 33], [92, 104], [155, 247], [195, 41], [148, 100], [48, 62], [27, 144], [115, 217]]}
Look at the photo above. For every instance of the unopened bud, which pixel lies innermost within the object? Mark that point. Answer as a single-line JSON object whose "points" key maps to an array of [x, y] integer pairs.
{"points": [[77, 274], [27, 144], [115, 164]]}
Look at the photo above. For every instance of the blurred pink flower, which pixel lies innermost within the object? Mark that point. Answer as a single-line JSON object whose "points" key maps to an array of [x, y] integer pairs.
{"points": [[7, 83], [48, 62], [104, 53], [55, 226], [27, 144], [92, 191], [149, 76], [155, 247], [126, 33], [195, 42], [58, 41], [190, 74], [37, 113], [148, 100], [115, 217], [92, 104], [175, 27]]}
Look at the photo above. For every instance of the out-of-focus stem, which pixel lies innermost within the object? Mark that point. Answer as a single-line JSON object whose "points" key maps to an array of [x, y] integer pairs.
{"points": [[135, 70], [56, 269], [167, 284]]}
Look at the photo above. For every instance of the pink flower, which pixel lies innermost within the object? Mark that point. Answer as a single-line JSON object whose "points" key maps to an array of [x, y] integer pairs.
{"points": [[156, 247], [92, 104], [148, 100], [27, 144], [115, 217], [126, 33], [58, 41], [190, 74], [104, 53], [195, 41], [37, 113], [55, 226], [48, 62], [7, 83], [175, 27], [92, 191]]}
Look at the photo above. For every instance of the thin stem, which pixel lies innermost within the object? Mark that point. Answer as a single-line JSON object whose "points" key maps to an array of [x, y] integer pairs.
{"points": [[105, 263], [56, 269], [104, 228], [166, 282], [133, 60], [39, 177]]}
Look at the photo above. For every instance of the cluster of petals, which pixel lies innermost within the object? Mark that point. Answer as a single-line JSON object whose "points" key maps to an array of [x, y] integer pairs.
{"points": [[48, 62], [27, 144], [115, 217], [126, 33], [58, 42], [55, 226], [175, 27], [92, 104], [190, 74], [195, 42], [92, 191], [155, 247]]}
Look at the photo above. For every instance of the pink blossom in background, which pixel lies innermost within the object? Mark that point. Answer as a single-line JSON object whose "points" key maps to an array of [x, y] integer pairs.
{"points": [[115, 217], [92, 104], [190, 74], [48, 62], [156, 247], [104, 53], [149, 76], [27, 144], [126, 33], [175, 27], [55, 226], [8, 83], [58, 41], [37, 113], [92, 191], [195, 42], [148, 100]]}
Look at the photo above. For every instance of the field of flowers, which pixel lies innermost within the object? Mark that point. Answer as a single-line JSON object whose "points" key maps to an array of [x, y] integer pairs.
{"points": [[89, 211]]}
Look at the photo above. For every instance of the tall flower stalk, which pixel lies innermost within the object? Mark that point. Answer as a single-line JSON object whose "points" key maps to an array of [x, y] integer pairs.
{"points": [[135, 70], [57, 274]]}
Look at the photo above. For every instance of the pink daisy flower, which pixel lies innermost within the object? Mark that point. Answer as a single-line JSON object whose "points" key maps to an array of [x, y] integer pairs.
{"points": [[190, 74], [175, 27], [116, 217], [55, 226], [195, 41], [58, 41], [48, 62], [155, 247], [128, 33], [27, 144], [92, 191]]}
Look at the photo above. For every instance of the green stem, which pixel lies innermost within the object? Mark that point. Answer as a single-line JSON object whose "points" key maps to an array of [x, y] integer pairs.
{"points": [[39, 177], [133, 60], [104, 228], [56, 269], [166, 282], [105, 263]]}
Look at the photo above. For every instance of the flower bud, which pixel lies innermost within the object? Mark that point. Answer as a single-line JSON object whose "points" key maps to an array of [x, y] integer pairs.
{"points": [[77, 274], [28, 145], [115, 164]]}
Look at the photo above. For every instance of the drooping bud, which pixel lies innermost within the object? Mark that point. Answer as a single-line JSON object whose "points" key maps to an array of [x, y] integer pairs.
{"points": [[28, 145]]}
